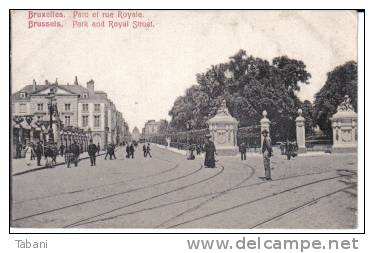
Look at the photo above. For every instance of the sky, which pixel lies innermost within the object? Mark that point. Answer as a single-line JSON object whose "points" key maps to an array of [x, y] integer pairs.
{"points": [[144, 70]]}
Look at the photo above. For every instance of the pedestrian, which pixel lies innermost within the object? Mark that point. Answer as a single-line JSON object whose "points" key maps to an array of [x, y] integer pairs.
{"points": [[127, 150], [210, 152], [38, 153], [74, 149], [28, 154], [112, 152], [48, 155], [62, 149], [98, 148], [18, 150], [131, 151], [198, 149], [267, 152], [191, 155], [144, 150], [33, 149], [148, 151], [243, 151], [55, 153], [92, 149]]}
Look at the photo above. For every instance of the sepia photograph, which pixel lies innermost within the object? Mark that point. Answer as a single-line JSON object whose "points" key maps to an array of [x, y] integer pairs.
{"points": [[184, 119]]}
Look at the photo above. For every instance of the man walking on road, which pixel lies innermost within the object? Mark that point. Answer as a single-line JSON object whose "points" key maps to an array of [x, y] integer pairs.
{"points": [[147, 150], [267, 152], [131, 151], [38, 153], [92, 149], [144, 150], [75, 150], [243, 151], [62, 150]]}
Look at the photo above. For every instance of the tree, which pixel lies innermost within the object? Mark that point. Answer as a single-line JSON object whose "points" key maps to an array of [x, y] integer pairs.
{"points": [[249, 85], [340, 82]]}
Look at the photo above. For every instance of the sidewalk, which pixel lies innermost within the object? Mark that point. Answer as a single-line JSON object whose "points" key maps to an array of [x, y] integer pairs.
{"points": [[19, 166], [277, 152]]}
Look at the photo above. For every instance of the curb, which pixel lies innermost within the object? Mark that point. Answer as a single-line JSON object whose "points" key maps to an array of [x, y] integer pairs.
{"points": [[46, 167]]}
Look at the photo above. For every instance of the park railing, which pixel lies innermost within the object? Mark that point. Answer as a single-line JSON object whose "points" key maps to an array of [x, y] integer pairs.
{"points": [[180, 140], [250, 136]]}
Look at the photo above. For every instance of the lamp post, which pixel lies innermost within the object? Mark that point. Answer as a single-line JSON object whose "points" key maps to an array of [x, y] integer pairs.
{"points": [[52, 109]]}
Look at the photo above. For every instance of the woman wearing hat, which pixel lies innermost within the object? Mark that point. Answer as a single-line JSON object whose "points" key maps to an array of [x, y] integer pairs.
{"points": [[210, 152]]}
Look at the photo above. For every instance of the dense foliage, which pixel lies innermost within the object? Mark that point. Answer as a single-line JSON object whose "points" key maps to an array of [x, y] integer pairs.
{"points": [[249, 85], [340, 82]]}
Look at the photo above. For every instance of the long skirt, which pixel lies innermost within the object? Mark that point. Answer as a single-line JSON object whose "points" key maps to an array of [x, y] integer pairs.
{"points": [[210, 161]]}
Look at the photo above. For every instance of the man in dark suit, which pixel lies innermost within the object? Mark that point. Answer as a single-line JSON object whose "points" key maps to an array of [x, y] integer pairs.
{"points": [[267, 152], [39, 152], [92, 149], [243, 151], [131, 151], [75, 150]]}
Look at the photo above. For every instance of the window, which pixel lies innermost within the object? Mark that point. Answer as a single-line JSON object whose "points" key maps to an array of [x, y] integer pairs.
{"points": [[97, 121], [84, 121], [67, 107], [97, 107], [67, 120], [40, 107], [85, 107], [40, 118], [22, 94], [22, 108], [85, 95]]}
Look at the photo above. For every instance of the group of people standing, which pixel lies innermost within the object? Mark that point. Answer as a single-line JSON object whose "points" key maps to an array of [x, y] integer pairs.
{"points": [[50, 151]]}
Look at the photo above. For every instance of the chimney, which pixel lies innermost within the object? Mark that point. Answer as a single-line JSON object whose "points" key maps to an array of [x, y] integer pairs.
{"points": [[56, 82], [33, 85], [47, 82], [91, 86], [76, 80]]}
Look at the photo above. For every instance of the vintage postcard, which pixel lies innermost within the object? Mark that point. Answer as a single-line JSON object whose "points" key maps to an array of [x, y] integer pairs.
{"points": [[184, 119]]}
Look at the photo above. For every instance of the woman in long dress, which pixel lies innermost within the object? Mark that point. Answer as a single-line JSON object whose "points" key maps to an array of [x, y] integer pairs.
{"points": [[28, 154], [210, 152]]}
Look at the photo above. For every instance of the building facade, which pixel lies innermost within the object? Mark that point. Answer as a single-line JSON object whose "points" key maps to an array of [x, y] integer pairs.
{"points": [[153, 127], [78, 106]]}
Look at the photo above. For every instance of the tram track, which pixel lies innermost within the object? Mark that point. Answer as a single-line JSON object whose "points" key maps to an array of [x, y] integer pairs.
{"points": [[198, 197], [87, 220], [109, 196], [214, 197], [299, 207], [255, 200], [100, 186]]}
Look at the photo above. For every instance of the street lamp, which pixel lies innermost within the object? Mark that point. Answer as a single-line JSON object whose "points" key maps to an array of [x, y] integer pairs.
{"points": [[52, 109]]}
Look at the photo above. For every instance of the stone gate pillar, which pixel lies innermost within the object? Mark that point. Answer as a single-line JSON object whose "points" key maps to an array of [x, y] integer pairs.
{"points": [[223, 128], [344, 126], [300, 132], [265, 124]]}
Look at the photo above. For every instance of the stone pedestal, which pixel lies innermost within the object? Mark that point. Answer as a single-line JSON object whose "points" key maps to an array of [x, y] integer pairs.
{"points": [[168, 140], [265, 125], [300, 132], [344, 127], [223, 128]]}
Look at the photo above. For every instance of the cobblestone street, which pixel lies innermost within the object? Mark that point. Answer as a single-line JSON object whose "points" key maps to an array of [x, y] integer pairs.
{"points": [[167, 191]]}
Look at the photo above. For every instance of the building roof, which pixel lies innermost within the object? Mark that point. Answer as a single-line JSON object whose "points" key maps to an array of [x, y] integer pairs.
{"points": [[73, 88]]}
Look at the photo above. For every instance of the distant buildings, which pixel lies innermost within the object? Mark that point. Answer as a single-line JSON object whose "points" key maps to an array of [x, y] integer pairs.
{"points": [[153, 127], [135, 134], [79, 107]]}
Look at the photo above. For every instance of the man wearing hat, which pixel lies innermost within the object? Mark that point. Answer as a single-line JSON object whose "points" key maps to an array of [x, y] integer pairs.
{"points": [[267, 152], [92, 149], [210, 152]]}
